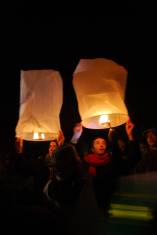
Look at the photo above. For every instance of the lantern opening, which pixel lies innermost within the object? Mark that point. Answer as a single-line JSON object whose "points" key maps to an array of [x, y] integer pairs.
{"points": [[104, 121], [39, 136]]}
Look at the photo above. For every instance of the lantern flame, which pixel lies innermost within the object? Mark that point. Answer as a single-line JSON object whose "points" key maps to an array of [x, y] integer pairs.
{"points": [[42, 136], [104, 119], [36, 136]]}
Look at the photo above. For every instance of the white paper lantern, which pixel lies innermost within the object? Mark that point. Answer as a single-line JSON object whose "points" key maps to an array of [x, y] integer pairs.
{"points": [[100, 85], [41, 99]]}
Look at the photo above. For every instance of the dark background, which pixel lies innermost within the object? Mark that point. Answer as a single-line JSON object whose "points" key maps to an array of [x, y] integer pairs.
{"points": [[35, 38]]}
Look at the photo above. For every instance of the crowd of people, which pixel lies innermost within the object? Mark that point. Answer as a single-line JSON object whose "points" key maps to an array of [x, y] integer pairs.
{"points": [[53, 188]]}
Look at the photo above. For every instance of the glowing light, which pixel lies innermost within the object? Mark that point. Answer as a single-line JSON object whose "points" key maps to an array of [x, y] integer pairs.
{"points": [[104, 119], [131, 212], [36, 136], [42, 136]]}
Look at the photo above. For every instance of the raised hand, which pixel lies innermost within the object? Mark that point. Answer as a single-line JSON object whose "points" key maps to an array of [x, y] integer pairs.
{"points": [[19, 144], [61, 138], [129, 126], [77, 131], [78, 128]]}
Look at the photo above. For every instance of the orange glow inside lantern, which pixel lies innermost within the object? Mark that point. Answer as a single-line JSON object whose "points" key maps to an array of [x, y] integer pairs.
{"points": [[38, 136], [99, 85], [104, 120], [41, 100], [42, 136]]}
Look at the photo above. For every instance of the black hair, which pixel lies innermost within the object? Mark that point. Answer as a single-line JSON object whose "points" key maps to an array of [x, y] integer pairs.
{"points": [[152, 130], [66, 159], [55, 141], [96, 137]]}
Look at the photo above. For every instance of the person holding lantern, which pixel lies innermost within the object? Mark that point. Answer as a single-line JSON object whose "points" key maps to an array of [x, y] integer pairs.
{"points": [[105, 163]]}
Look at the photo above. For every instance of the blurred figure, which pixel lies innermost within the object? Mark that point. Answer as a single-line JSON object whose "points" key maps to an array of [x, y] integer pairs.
{"points": [[63, 190], [122, 145], [148, 149], [64, 185], [151, 138], [50, 157], [128, 147]]}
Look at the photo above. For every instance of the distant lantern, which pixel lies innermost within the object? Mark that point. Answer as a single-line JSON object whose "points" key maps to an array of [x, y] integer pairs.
{"points": [[100, 89], [41, 99]]}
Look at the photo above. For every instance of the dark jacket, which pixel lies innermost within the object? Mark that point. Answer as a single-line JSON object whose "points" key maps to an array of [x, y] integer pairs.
{"points": [[148, 160], [104, 182]]}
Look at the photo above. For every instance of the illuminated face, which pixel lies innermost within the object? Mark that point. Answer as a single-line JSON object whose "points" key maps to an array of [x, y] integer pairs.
{"points": [[99, 146], [52, 147], [151, 139]]}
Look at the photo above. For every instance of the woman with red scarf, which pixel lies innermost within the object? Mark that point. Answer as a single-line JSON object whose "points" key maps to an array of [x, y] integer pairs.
{"points": [[105, 163], [101, 169]]}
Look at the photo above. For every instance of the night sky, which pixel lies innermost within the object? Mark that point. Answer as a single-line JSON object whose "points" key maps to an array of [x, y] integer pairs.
{"points": [[36, 39]]}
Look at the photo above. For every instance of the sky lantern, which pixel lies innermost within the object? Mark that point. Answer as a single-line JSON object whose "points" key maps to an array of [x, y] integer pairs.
{"points": [[41, 99], [100, 85]]}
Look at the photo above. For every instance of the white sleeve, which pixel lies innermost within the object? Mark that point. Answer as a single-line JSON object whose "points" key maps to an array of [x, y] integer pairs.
{"points": [[76, 137]]}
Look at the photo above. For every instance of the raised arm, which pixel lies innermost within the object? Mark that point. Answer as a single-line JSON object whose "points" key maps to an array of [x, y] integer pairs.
{"points": [[61, 138], [129, 126], [77, 132]]}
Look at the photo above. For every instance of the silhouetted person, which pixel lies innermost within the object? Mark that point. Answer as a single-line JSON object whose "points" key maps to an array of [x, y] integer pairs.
{"points": [[148, 149]]}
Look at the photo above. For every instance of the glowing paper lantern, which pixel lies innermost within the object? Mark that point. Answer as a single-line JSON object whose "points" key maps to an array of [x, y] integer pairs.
{"points": [[100, 89], [40, 104]]}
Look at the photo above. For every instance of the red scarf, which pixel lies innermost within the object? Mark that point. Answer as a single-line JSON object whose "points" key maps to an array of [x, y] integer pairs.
{"points": [[95, 160]]}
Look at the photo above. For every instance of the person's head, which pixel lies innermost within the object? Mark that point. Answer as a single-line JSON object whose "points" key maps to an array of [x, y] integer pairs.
{"points": [[99, 145], [151, 137], [65, 155], [52, 146]]}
